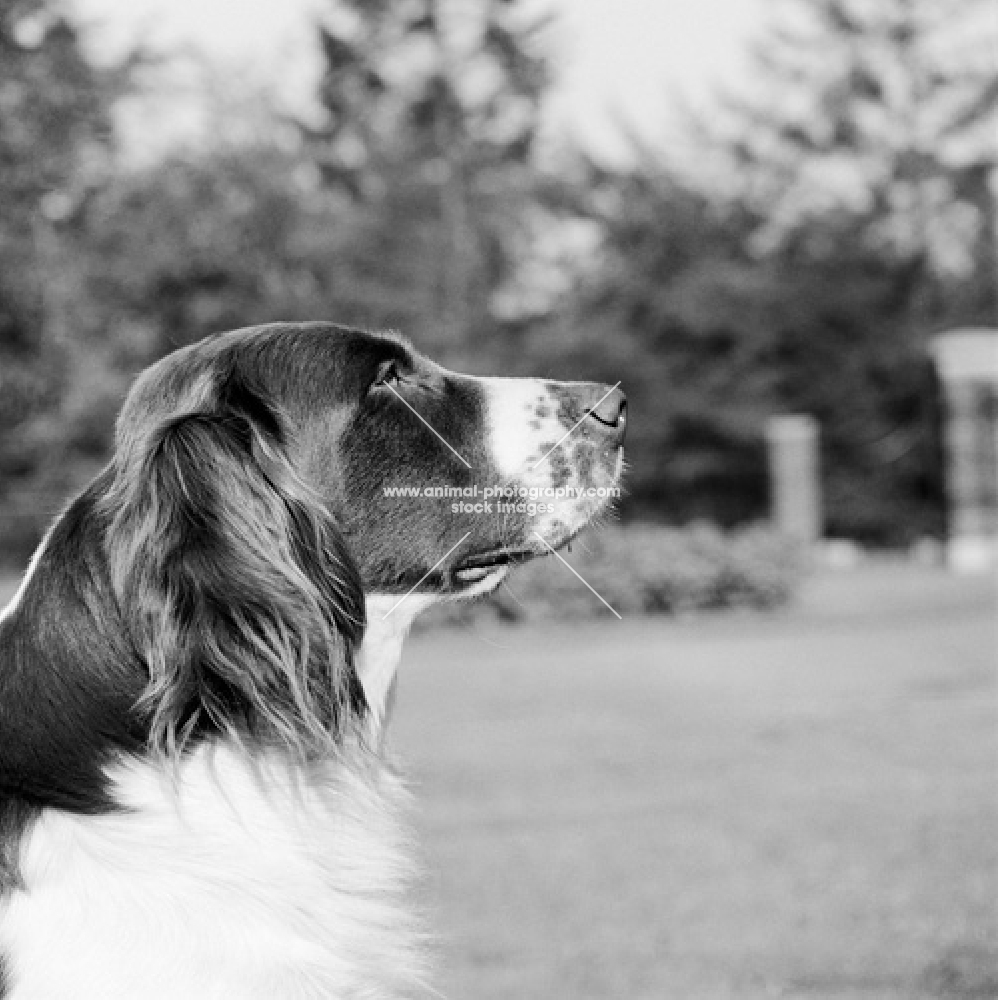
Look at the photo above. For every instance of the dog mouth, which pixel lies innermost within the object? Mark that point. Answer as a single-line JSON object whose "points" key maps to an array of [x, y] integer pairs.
{"points": [[479, 565], [476, 567]]}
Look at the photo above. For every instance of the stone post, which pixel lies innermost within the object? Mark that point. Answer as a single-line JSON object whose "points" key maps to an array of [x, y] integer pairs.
{"points": [[795, 477], [967, 361]]}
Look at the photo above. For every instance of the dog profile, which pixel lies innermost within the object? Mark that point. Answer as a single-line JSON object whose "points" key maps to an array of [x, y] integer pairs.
{"points": [[196, 799]]}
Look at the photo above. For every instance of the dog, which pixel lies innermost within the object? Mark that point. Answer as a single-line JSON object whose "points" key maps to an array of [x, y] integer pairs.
{"points": [[196, 675]]}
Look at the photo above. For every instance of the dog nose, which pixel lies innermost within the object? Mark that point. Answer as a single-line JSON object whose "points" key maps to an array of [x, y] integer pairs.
{"points": [[611, 412]]}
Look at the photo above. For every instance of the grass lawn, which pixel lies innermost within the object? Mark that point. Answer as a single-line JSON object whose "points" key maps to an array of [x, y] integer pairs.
{"points": [[802, 805]]}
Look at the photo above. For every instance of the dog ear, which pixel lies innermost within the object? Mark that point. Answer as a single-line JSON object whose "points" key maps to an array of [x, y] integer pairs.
{"points": [[238, 589]]}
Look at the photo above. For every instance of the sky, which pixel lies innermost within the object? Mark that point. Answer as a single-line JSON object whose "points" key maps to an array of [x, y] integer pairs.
{"points": [[619, 64]]}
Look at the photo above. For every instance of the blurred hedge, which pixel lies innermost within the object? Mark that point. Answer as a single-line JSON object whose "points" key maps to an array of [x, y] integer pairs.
{"points": [[644, 569]]}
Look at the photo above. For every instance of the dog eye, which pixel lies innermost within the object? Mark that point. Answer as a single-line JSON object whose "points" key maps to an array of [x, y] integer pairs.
{"points": [[388, 374]]}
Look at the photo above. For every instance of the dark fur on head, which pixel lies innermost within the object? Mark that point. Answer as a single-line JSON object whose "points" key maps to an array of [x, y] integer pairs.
{"points": [[237, 589]]}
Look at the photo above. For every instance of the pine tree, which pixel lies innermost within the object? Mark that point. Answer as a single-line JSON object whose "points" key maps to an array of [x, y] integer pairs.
{"points": [[55, 144], [430, 114], [885, 112], [856, 219]]}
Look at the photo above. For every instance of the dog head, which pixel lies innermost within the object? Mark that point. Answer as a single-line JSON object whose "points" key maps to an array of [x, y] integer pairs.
{"points": [[267, 480]]}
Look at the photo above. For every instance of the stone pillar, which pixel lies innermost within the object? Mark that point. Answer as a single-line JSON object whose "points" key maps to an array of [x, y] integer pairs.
{"points": [[795, 477], [967, 361]]}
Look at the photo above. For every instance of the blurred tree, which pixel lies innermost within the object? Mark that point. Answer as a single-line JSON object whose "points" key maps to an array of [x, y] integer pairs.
{"points": [[856, 216], [55, 146], [404, 208], [193, 245], [870, 158], [886, 111], [850, 214], [430, 110], [672, 303], [239, 233]]}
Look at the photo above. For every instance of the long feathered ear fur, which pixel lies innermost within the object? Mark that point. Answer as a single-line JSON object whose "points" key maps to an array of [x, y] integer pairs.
{"points": [[237, 587]]}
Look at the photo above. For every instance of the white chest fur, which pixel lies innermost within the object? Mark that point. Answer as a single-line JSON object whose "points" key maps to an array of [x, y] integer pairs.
{"points": [[389, 618], [234, 886]]}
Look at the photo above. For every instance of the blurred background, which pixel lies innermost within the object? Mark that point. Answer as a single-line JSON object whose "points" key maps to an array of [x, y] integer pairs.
{"points": [[775, 223]]}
